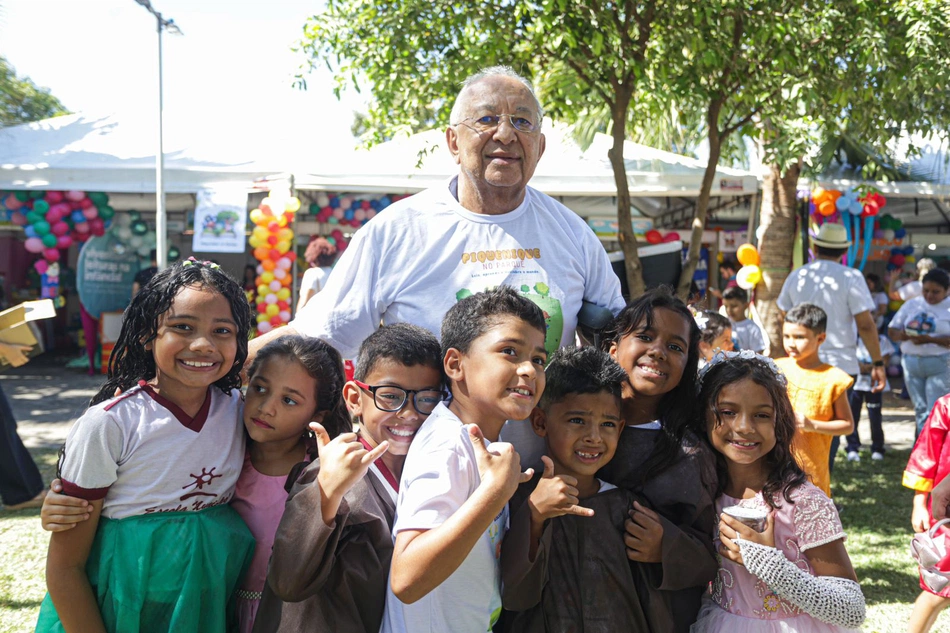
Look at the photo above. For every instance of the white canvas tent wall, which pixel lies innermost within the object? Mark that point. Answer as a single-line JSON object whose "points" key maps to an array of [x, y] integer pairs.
{"points": [[582, 179]]}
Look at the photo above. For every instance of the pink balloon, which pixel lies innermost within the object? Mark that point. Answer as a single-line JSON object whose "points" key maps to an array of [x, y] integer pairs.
{"points": [[51, 254], [346, 202], [82, 227], [284, 263], [34, 245], [18, 218], [274, 286], [41, 266], [284, 316], [12, 203], [336, 234], [59, 229], [75, 196], [54, 196], [339, 213], [371, 214], [86, 203], [671, 237], [64, 241], [271, 298], [264, 327], [359, 214], [90, 213]]}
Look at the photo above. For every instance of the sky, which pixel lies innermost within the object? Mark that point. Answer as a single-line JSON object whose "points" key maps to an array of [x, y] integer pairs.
{"points": [[233, 65]]}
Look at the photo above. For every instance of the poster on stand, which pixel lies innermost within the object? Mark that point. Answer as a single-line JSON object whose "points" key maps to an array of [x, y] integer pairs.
{"points": [[220, 218], [104, 274]]}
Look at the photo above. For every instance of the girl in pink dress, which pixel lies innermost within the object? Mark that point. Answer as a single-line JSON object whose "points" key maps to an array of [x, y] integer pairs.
{"points": [[295, 381], [794, 575]]}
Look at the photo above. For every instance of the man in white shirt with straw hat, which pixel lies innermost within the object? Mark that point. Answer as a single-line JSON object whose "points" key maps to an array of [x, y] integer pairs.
{"points": [[843, 294]]}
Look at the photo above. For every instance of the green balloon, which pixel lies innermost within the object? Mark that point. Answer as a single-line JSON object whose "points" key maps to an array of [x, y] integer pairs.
{"points": [[37, 194], [41, 227], [22, 196], [32, 217], [314, 209], [135, 215], [106, 212], [139, 228], [98, 198], [49, 240], [41, 206], [173, 253]]}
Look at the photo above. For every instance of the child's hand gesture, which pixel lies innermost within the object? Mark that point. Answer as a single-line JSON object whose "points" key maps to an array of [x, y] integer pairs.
{"points": [[920, 515], [500, 467], [644, 535], [804, 422], [343, 462], [730, 528], [61, 512], [555, 496]]}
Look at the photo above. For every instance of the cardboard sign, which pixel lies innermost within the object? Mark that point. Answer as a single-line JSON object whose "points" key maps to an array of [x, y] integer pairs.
{"points": [[18, 327]]}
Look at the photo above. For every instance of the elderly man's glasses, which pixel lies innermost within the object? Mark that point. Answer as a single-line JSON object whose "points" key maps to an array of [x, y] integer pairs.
{"points": [[391, 399], [490, 122]]}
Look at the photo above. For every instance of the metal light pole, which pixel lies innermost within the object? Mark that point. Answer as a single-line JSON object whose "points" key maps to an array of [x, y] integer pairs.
{"points": [[161, 217]]}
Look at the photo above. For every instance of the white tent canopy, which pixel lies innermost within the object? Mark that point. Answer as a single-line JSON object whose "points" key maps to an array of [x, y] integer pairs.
{"points": [[116, 154], [408, 165]]}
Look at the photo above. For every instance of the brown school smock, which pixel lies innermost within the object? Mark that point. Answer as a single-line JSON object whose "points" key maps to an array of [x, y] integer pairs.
{"points": [[329, 578], [580, 580], [684, 497]]}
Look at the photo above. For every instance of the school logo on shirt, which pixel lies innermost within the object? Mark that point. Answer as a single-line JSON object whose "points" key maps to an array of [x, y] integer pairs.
{"points": [[199, 487]]}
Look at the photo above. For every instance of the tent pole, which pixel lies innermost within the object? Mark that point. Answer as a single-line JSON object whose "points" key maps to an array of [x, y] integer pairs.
{"points": [[161, 219]]}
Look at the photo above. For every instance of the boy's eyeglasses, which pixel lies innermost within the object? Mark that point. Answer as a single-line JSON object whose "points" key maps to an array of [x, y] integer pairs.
{"points": [[391, 399], [492, 121]]}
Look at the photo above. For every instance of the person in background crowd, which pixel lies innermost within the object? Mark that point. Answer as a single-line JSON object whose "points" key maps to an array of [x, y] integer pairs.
{"points": [[146, 274], [21, 485], [320, 256]]}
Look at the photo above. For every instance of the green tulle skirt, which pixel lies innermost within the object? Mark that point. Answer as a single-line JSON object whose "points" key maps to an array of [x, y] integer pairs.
{"points": [[173, 571]]}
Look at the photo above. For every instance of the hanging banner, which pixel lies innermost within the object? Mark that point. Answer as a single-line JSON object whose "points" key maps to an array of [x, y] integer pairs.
{"points": [[220, 218], [104, 274]]}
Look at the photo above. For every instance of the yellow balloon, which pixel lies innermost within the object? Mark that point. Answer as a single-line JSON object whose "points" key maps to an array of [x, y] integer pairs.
{"points": [[292, 205], [267, 277], [273, 309], [261, 317], [283, 247], [748, 276], [262, 290], [282, 221], [285, 235], [261, 232], [283, 294], [747, 255], [254, 241], [257, 216]]}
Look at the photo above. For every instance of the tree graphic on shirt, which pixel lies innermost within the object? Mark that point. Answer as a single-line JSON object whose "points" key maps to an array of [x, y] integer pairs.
{"points": [[202, 480]]}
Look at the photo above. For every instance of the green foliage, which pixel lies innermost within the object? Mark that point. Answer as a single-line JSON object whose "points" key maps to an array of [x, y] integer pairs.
{"points": [[21, 101]]}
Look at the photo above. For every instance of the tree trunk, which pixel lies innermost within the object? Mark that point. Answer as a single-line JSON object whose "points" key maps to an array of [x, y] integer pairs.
{"points": [[702, 202], [628, 241], [779, 209]]}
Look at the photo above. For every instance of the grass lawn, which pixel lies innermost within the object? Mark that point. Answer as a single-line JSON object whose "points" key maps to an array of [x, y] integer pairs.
{"points": [[876, 516]]}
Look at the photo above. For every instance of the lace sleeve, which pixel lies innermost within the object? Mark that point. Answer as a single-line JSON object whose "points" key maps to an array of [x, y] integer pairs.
{"points": [[816, 518]]}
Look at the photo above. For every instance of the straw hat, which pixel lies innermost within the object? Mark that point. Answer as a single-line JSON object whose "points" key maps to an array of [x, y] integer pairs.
{"points": [[831, 236]]}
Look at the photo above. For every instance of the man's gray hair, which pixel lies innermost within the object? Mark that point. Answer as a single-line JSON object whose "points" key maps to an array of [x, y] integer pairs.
{"points": [[494, 71]]}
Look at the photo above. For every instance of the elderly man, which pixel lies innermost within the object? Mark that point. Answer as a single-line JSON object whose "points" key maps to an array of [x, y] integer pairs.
{"points": [[483, 228], [843, 294]]}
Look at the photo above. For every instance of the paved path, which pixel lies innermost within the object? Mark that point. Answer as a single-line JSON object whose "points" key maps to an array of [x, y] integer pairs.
{"points": [[47, 397]]}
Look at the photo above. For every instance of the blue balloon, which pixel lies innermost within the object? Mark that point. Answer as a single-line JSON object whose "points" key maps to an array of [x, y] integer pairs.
{"points": [[384, 202], [856, 208], [374, 204], [348, 214], [897, 250], [843, 203], [77, 216], [29, 230], [334, 202], [908, 250], [892, 267]]}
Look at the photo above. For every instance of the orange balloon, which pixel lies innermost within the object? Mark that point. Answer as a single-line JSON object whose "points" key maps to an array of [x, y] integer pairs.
{"points": [[826, 208], [747, 255], [819, 195], [261, 253], [269, 264]]}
